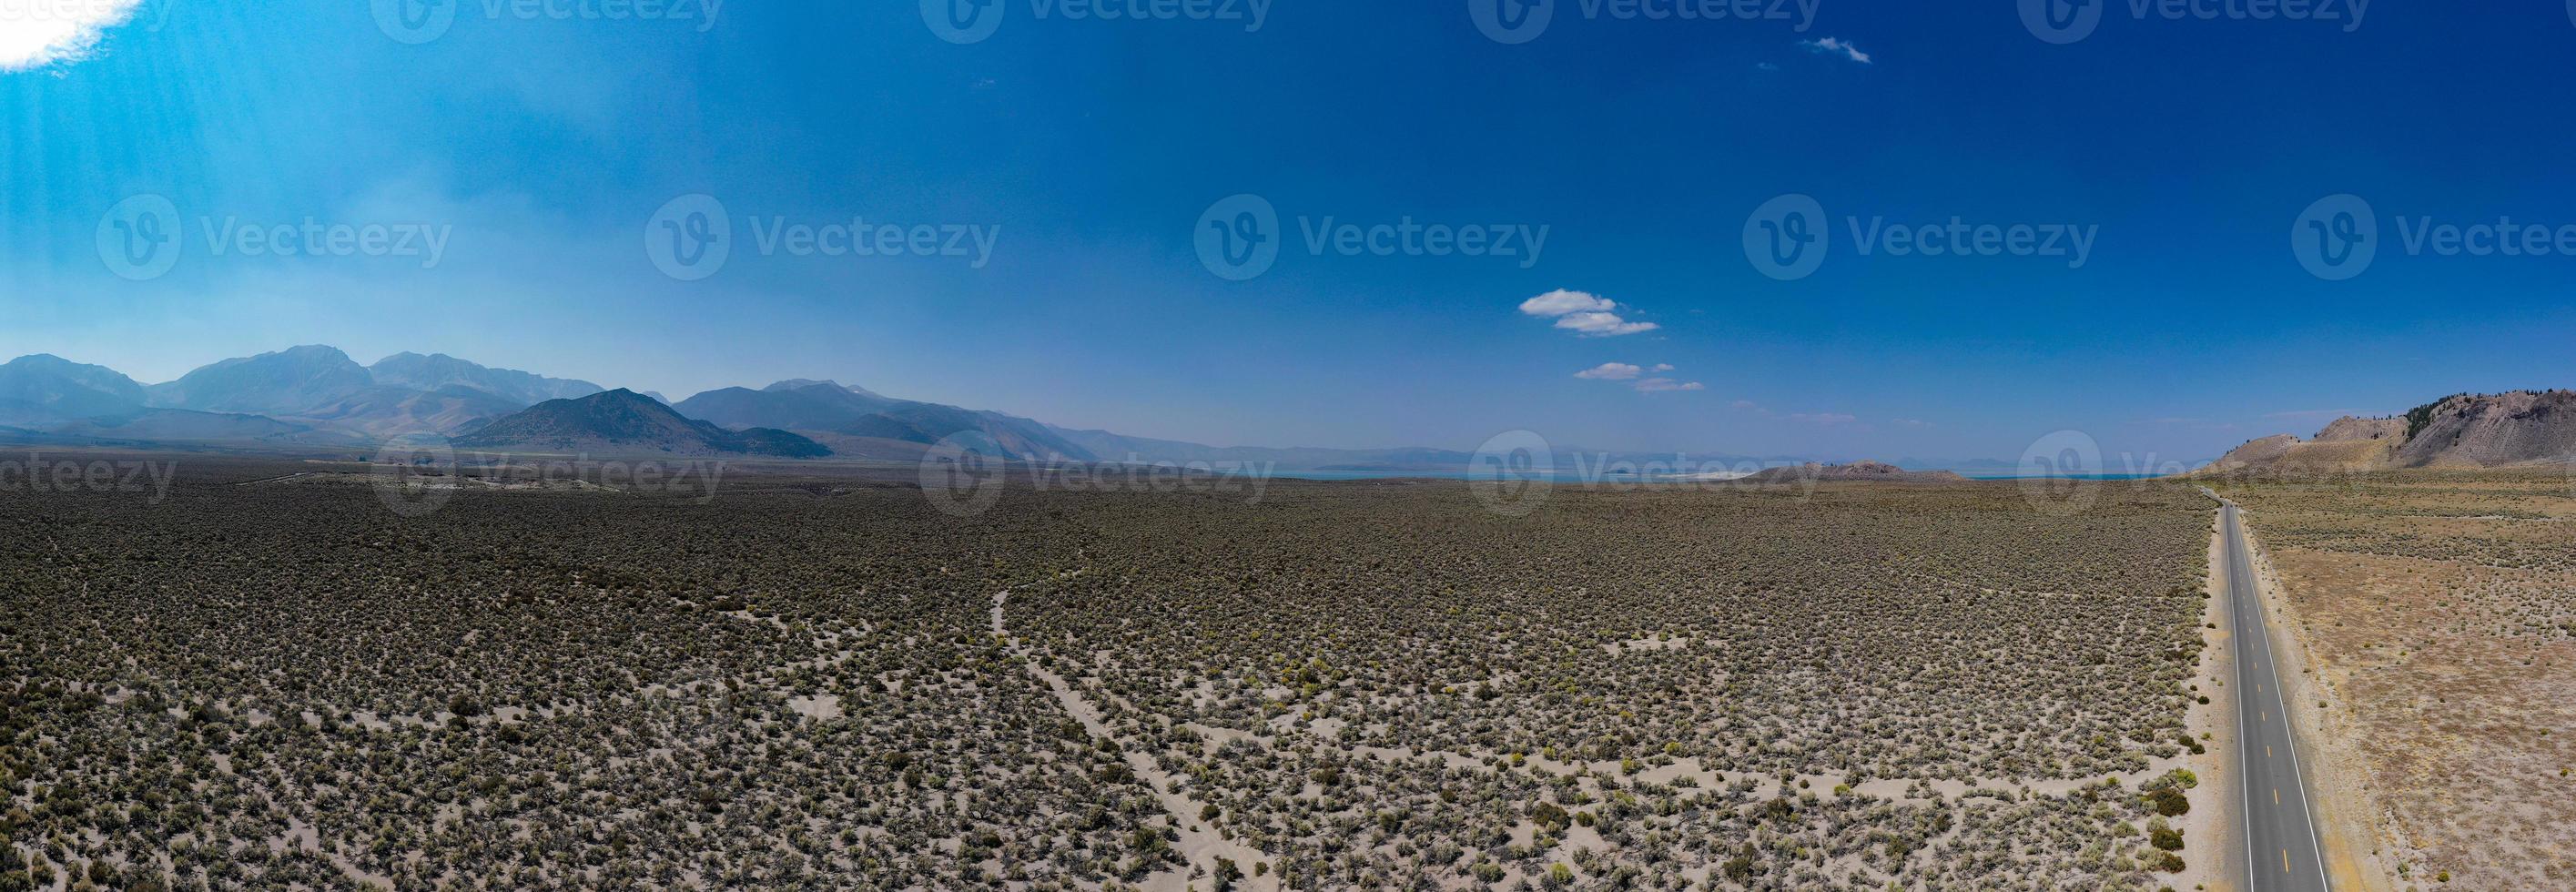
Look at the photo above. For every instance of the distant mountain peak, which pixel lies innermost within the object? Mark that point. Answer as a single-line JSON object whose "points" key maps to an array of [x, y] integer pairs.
{"points": [[439, 371], [623, 420]]}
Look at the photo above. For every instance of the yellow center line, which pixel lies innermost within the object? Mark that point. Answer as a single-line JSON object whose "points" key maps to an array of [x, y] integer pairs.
{"points": [[2285, 860], [2276, 795]]}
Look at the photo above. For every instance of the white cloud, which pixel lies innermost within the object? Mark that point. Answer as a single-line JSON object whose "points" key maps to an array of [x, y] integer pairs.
{"points": [[1560, 302], [1621, 371], [1603, 325], [1836, 46], [36, 33], [1588, 315]]}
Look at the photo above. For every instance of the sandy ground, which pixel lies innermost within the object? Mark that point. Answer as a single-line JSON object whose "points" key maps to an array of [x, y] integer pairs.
{"points": [[2350, 822], [1198, 846], [2213, 850]]}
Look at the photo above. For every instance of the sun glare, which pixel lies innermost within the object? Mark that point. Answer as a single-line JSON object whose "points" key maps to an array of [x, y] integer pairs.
{"points": [[35, 33]]}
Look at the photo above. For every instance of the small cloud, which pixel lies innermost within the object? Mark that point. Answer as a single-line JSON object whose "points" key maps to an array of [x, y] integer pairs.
{"points": [[1766, 66], [1827, 419], [1611, 371], [1603, 325], [35, 34], [1561, 302], [1588, 315], [1663, 367], [1667, 385], [1836, 46]]}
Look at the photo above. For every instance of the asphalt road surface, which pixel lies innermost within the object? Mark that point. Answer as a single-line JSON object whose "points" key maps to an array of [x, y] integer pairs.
{"points": [[2280, 838]]}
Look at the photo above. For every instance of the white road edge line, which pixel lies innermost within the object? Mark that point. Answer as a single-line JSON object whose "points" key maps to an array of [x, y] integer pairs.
{"points": [[2289, 725]]}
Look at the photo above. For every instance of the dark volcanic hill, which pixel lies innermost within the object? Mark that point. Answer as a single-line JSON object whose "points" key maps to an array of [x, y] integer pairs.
{"points": [[786, 405], [625, 421], [835, 412]]}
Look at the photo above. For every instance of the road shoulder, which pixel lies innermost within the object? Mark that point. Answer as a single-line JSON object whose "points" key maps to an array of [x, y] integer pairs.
{"points": [[2345, 814], [2214, 836]]}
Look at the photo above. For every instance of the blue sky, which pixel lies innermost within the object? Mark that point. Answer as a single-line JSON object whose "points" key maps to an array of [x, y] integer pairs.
{"points": [[543, 146]]}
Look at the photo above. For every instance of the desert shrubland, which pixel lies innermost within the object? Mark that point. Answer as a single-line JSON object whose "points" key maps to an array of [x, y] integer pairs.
{"points": [[824, 683]]}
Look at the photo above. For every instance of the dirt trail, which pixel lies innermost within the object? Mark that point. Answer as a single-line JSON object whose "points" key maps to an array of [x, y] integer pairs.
{"points": [[1199, 845]]}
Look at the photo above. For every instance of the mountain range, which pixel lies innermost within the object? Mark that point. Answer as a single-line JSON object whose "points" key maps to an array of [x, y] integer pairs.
{"points": [[2521, 427], [316, 396]]}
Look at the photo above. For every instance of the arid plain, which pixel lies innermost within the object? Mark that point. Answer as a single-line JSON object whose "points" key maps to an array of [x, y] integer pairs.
{"points": [[271, 681]]}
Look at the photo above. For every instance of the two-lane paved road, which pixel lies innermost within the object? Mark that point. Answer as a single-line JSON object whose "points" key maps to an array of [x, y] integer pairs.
{"points": [[2280, 839]]}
